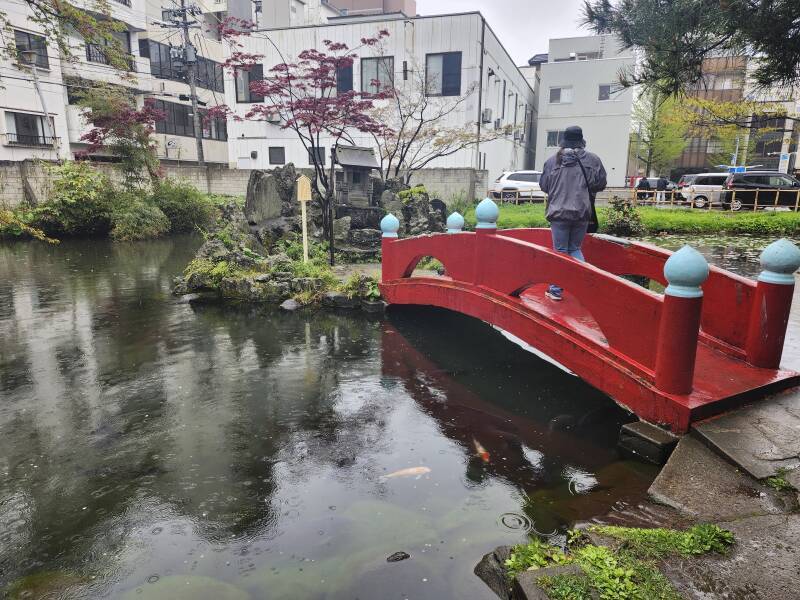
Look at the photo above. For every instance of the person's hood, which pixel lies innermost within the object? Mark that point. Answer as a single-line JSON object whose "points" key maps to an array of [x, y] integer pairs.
{"points": [[570, 156]]}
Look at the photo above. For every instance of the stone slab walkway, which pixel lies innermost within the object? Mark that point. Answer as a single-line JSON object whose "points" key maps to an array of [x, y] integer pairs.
{"points": [[760, 438], [764, 562]]}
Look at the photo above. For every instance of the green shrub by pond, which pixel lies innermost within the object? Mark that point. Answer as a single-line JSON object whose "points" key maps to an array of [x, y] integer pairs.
{"points": [[656, 220], [85, 202]]}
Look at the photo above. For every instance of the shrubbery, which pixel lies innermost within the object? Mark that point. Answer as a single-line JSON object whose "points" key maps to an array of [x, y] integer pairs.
{"points": [[186, 208], [138, 221], [84, 202], [80, 202]]}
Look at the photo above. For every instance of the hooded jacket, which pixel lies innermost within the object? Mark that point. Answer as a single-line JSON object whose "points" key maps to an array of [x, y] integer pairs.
{"points": [[565, 186]]}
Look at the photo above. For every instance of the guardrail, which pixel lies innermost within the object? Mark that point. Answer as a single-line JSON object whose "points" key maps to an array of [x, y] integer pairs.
{"points": [[21, 139], [737, 199], [96, 54]]}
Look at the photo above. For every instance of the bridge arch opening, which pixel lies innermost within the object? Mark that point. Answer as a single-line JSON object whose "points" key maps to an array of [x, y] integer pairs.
{"points": [[425, 266]]}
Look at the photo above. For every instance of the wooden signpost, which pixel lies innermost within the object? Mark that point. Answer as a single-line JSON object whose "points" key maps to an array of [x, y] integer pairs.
{"points": [[303, 196]]}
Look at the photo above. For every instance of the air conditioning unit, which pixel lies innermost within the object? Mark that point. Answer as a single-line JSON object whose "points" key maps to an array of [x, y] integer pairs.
{"points": [[273, 118], [486, 115], [498, 123]]}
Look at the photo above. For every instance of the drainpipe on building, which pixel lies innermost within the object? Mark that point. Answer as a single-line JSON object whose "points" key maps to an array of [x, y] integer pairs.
{"points": [[480, 94]]}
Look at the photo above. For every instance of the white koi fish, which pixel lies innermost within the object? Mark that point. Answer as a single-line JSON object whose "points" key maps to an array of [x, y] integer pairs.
{"points": [[410, 472]]}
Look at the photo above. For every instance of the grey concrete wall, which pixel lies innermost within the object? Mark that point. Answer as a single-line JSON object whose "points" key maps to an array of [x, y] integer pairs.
{"points": [[450, 184], [445, 184]]}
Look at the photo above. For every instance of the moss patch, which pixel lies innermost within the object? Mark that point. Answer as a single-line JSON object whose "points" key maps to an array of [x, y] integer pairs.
{"points": [[625, 571]]}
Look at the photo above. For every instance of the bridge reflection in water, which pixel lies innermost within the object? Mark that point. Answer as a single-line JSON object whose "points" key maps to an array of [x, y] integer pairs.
{"points": [[549, 435]]}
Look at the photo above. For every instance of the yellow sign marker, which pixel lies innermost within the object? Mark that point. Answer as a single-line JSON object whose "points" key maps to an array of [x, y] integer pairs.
{"points": [[304, 196]]}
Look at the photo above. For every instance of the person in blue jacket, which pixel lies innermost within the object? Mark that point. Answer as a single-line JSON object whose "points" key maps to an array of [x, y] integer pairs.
{"points": [[570, 179]]}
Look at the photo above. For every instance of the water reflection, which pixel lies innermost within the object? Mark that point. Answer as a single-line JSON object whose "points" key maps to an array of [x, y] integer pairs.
{"points": [[152, 449]]}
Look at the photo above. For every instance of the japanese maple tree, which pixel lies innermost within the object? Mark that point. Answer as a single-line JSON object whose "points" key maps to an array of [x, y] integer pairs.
{"points": [[123, 130], [302, 95]]}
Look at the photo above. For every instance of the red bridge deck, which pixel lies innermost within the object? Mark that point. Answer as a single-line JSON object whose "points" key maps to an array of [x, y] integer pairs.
{"points": [[634, 344]]}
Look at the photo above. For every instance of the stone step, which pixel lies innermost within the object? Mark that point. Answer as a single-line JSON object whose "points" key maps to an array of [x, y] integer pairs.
{"points": [[760, 438]]}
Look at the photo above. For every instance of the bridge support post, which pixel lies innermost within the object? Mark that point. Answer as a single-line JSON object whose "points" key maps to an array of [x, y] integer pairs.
{"points": [[486, 214], [771, 305], [676, 348], [390, 225]]}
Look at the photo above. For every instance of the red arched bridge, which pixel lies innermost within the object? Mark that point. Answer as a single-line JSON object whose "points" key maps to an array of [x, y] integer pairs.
{"points": [[712, 340]]}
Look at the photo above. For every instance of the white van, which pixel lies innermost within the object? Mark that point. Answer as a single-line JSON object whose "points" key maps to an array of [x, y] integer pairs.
{"points": [[705, 190]]}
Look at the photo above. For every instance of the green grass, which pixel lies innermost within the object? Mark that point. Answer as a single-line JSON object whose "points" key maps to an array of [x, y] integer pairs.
{"points": [[667, 221], [657, 543], [778, 481]]}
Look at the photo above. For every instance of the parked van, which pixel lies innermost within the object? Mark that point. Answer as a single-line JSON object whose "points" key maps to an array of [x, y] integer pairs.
{"points": [[705, 190]]}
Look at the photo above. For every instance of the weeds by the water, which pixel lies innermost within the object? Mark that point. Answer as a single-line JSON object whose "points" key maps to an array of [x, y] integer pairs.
{"points": [[779, 482], [626, 571]]}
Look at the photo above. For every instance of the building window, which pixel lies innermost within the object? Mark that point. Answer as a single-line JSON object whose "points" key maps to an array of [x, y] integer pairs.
{"points": [[165, 66], [277, 155], [713, 146], [344, 79], [320, 152], [554, 139], [243, 79], [178, 120], [25, 42], [96, 53], [560, 95], [443, 74], [377, 74], [27, 130]]}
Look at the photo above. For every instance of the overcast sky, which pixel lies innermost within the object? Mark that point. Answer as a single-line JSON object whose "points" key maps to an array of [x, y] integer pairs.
{"points": [[523, 26]]}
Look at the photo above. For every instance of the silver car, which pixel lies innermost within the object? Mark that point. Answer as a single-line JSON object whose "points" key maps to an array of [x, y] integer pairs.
{"points": [[705, 190]]}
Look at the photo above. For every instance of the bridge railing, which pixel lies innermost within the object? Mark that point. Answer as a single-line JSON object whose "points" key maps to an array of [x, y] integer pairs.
{"points": [[727, 297], [657, 333]]}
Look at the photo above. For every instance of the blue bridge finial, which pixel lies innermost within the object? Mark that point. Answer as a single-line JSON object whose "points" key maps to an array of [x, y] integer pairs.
{"points": [[780, 260], [685, 271], [487, 212], [390, 226], [455, 223]]}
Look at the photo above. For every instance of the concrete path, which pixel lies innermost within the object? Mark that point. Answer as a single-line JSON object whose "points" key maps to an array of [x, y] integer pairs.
{"points": [[764, 562]]}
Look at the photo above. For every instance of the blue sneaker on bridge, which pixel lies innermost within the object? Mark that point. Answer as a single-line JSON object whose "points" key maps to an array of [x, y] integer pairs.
{"points": [[554, 293]]}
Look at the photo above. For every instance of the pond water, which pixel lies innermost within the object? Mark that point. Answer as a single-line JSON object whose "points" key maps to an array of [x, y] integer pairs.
{"points": [[153, 449]]}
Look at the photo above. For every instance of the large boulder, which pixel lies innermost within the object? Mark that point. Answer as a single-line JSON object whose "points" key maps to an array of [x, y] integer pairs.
{"points": [[271, 194]]}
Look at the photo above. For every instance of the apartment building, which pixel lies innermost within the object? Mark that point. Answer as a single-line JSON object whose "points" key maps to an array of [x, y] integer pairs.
{"points": [[153, 72], [461, 49], [579, 85], [763, 139], [362, 7]]}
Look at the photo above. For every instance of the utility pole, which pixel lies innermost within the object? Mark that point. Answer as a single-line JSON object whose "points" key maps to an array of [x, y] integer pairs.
{"points": [[190, 57]]}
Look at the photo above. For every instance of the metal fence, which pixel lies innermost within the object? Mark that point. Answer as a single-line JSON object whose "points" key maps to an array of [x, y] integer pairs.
{"points": [[736, 199], [517, 197]]}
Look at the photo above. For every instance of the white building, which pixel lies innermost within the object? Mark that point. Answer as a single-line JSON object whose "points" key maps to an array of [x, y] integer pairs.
{"points": [[151, 74], [579, 86], [461, 46]]}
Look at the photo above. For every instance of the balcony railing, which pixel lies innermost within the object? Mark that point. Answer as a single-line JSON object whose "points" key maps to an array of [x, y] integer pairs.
{"points": [[96, 54], [123, 2], [24, 139]]}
